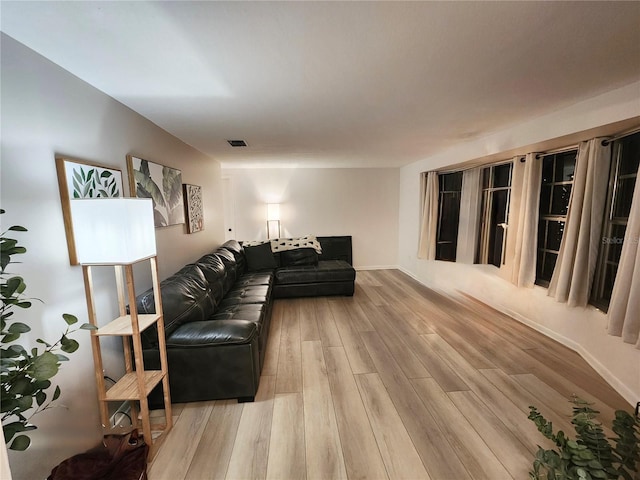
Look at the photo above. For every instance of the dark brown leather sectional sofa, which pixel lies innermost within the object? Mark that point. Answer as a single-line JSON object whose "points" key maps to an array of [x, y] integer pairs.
{"points": [[217, 313]]}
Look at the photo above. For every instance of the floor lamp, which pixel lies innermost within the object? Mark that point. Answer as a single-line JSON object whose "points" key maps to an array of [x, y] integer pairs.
{"points": [[120, 233], [273, 220]]}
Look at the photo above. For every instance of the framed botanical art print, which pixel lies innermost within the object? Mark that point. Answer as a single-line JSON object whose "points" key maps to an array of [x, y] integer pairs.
{"points": [[193, 207], [80, 179], [163, 185]]}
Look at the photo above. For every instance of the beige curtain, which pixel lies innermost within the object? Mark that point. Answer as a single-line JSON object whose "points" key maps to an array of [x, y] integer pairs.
{"points": [[469, 226], [429, 223], [573, 275], [524, 261], [624, 308]]}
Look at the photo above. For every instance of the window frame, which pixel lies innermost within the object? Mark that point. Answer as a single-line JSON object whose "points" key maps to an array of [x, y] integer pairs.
{"points": [[551, 217], [596, 297], [486, 209], [456, 217]]}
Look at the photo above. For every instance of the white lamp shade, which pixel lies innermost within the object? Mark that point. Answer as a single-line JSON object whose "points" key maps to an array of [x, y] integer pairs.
{"points": [[273, 211], [113, 230]]}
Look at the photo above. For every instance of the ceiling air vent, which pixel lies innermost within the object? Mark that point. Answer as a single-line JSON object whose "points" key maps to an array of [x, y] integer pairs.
{"points": [[237, 143]]}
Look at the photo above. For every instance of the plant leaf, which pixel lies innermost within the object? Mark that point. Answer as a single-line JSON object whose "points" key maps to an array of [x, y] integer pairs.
{"points": [[10, 337], [13, 285], [18, 328], [68, 345], [70, 319], [45, 366], [20, 443]]}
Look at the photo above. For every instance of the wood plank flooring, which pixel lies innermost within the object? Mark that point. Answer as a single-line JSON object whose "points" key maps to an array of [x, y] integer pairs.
{"points": [[397, 382]]}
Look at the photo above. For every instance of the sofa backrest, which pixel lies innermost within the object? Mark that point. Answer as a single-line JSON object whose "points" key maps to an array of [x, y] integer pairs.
{"points": [[186, 297], [336, 248], [238, 253], [213, 269], [230, 267]]}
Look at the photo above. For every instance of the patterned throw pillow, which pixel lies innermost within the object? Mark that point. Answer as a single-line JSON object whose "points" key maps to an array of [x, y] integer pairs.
{"points": [[284, 244]]}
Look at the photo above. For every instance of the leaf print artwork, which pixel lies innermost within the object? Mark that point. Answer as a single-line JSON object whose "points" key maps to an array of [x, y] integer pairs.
{"points": [[163, 185], [94, 182]]}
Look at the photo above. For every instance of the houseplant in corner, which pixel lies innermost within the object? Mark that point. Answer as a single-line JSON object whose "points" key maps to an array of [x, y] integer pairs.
{"points": [[591, 455], [25, 374]]}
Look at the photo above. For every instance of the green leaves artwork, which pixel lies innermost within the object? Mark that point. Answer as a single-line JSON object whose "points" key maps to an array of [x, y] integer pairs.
{"points": [[161, 184], [85, 180], [88, 183]]}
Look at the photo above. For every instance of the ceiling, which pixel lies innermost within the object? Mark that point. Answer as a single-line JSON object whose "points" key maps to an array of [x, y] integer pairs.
{"points": [[340, 84]]}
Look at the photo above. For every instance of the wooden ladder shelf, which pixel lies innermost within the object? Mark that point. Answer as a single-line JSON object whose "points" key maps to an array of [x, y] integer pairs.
{"points": [[137, 383]]}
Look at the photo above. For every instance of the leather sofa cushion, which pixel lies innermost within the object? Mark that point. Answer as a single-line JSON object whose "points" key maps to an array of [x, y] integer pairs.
{"points": [[242, 291], [299, 256], [252, 279], [252, 311], [236, 249], [242, 300], [215, 273], [260, 257], [213, 332], [212, 267], [325, 271], [230, 267], [186, 297], [255, 316]]}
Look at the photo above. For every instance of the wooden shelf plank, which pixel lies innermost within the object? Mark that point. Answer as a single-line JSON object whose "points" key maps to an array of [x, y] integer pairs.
{"points": [[122, 325], [127, 387]]}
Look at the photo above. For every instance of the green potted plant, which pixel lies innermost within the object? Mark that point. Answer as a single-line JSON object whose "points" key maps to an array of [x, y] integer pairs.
{"points": [[591, 455], [25, 374]]}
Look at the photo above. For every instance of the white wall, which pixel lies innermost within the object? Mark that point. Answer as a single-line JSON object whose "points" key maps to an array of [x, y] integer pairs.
{"points": [[362, 203], [581, 329], [47, 112]]}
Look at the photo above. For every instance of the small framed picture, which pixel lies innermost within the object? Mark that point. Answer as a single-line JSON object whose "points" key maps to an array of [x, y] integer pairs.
{"points": [[193, 207], [81, 179]]}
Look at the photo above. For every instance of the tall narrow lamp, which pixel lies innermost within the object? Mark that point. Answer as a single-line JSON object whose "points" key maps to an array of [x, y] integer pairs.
{"points": [[273, 220], [120, 232]]}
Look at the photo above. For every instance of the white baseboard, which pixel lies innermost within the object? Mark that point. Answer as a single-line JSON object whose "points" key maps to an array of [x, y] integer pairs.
{"points": [[407, 272], [603, 371]]}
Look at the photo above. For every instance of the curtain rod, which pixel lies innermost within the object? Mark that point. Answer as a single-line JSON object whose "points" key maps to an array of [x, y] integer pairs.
{"points": [[557, 150], [607, 141], [471, 167]]}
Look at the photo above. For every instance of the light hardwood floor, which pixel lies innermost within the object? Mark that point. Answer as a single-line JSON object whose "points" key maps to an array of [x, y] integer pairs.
{"points": [[397, 381]]}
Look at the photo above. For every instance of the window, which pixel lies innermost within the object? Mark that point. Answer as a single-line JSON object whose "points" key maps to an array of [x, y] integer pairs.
{"points": [[555, 191], [496, 194], [450, 186], [622, 181]]}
